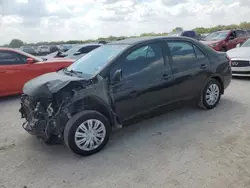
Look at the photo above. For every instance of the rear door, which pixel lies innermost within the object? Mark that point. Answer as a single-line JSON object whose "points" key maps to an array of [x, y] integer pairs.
{"points": [[145, 83], [190, 68]]}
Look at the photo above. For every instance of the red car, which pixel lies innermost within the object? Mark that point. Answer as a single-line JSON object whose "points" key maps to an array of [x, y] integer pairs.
{"points": [[17, 67], [226, 39]]}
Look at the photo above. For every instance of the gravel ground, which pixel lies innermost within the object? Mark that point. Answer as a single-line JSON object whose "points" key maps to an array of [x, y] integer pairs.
{"points": [[187, 147]]}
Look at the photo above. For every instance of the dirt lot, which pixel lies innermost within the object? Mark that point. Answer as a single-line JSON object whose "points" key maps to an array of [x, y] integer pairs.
{"points": [[183, 148]]}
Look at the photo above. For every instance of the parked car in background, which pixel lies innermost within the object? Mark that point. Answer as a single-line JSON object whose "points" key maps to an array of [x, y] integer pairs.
{"points": [[75, 52], [118, 82], [79, 50], [204, 35], [191, 34], [17, 67], [53, 48], [43, 50], [240, 58], [103, 42], [248, 31], [66, 47], [29, 50], [226, 39]]}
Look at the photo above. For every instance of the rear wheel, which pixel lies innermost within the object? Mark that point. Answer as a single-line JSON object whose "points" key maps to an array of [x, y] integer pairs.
{"points": [[87, 132], [211, 94]]}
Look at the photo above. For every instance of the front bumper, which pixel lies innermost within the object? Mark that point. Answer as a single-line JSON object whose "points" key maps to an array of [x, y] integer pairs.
{"points": [[241, 71]]}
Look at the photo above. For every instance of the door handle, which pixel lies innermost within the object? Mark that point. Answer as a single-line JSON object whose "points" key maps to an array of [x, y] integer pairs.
{"points": [[166, 76], [203, 66]]}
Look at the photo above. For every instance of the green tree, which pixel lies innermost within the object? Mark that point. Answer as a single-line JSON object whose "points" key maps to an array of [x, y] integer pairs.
{"points": [[177, 29], [201, 30], [16, 43], [245, 25]]}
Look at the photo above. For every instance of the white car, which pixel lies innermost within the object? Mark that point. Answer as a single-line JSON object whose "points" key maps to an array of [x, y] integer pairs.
{"points": [[240, 58]]}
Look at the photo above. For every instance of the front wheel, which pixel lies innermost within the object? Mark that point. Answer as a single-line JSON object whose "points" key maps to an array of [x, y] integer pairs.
{"points": [[87, 132], [210, 95]]}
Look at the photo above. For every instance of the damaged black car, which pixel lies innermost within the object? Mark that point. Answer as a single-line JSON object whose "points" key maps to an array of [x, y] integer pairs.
{"points": [[79, 105]]}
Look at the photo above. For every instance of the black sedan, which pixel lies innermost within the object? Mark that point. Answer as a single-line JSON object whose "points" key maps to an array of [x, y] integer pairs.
{"points": [[118, 82]]}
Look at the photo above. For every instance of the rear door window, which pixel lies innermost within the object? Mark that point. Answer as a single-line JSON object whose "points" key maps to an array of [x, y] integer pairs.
{"points": [[181, 51], [241, 33], [184, 52]]}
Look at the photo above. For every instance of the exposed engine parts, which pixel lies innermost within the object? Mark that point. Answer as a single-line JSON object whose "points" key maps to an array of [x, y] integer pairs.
{"points": [[43, 118]]}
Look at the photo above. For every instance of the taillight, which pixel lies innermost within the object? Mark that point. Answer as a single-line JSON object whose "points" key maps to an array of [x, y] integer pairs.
{"points": [[230, 62]]}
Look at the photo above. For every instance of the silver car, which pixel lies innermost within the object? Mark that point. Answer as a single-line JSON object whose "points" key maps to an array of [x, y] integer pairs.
{"points": [[240, 59]]}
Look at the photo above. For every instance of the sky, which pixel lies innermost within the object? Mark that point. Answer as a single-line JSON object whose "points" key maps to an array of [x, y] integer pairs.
{"points": [[56, 20]]}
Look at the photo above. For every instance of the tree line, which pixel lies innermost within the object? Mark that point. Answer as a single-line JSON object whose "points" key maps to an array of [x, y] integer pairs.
{"points": [[17, 43]]}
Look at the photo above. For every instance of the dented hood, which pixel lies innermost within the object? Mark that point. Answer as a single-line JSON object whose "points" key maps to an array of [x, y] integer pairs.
{"points": [[47, 84]]}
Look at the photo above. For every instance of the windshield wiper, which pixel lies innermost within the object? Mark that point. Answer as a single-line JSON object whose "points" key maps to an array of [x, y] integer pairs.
{"points": [[70, 72]]}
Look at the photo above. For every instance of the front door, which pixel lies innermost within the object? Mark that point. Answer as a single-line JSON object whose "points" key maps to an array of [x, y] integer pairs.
{"points": [[144, 82], [190, 68], [232, 40], [11, 66]]}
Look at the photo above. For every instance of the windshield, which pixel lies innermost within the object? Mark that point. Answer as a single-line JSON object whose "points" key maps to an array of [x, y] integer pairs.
{"points": [[220, 35], [94, 61], [246, 44], [73, 50]]}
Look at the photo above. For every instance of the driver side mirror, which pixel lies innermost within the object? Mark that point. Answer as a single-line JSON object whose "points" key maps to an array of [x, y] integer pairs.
{"points": [[117, 76], [29, 60], [231, 38]]}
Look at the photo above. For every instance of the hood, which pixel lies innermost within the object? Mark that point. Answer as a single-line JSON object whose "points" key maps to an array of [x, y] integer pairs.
{"points": [[47, 84], [210, 42], [242, 52]]}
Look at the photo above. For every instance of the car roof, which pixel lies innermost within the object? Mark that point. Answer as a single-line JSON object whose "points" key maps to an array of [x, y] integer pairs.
{"points": [[137, 40], [10, 49], [89, 44]]}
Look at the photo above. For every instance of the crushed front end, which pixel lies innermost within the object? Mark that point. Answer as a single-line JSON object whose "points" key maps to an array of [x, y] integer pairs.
{"points": [[43, 117], [49, 101], [44, 104]]}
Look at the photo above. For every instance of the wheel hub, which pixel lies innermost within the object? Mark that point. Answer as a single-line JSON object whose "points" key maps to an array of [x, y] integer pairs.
{"points": [[212, 94], [90, 134]]}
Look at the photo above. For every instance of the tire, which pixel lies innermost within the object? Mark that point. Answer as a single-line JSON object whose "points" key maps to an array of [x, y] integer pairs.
{"points": [[205, 101], [80, 124]]}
